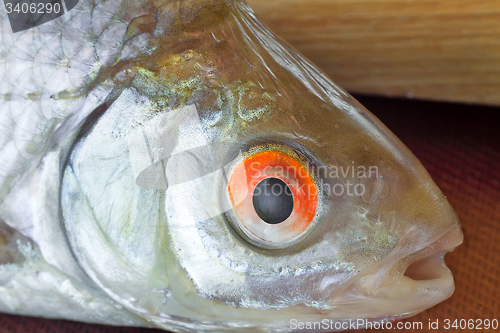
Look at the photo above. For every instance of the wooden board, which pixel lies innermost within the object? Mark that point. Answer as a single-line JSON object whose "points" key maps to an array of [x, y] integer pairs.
{"points": [[445, 50]]}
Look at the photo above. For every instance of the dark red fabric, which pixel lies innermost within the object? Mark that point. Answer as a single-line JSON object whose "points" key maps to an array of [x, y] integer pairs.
{"points": [[459, 146]]}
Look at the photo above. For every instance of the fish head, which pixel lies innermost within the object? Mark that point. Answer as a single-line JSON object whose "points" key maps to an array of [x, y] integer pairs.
{"points": [[173, 178], [227, 182]]}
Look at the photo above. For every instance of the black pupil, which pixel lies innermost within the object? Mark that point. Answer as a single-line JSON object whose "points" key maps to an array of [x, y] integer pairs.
{"points": [[273, 200]]}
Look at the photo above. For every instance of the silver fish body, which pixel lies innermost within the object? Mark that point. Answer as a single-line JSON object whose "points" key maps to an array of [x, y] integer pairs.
{"points": [[134, 136]]}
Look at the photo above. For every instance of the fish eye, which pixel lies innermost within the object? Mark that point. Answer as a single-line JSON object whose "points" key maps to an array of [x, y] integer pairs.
{"points": [[272, 196]]}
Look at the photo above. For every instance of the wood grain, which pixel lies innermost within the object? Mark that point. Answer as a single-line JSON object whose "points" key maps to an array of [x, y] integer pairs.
{"points": [[446, 50]]}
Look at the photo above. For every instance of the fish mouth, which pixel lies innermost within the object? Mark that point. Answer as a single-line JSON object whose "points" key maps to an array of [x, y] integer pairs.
{"points": [[423, 270], [401, 288]]}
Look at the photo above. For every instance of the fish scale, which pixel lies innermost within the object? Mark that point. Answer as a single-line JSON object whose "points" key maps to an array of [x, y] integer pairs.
{"points": [[56, 62]]}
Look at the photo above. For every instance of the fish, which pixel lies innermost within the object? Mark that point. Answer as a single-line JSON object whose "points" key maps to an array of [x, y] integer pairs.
{"points": [[174, 164]]}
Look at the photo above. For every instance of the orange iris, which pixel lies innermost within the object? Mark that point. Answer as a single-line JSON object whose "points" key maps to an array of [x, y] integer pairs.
{"points": [[273, 164]]}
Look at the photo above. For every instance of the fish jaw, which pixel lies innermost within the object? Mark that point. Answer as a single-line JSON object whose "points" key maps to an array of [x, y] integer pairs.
{"points": [[409, 286]]}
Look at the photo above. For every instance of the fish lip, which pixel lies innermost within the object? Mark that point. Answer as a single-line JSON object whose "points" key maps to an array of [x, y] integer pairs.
{"points": [[447, 242], [404, 294]]}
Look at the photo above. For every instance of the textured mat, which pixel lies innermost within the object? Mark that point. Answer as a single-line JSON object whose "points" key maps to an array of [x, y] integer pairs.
{"points": [[460, 147]]}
